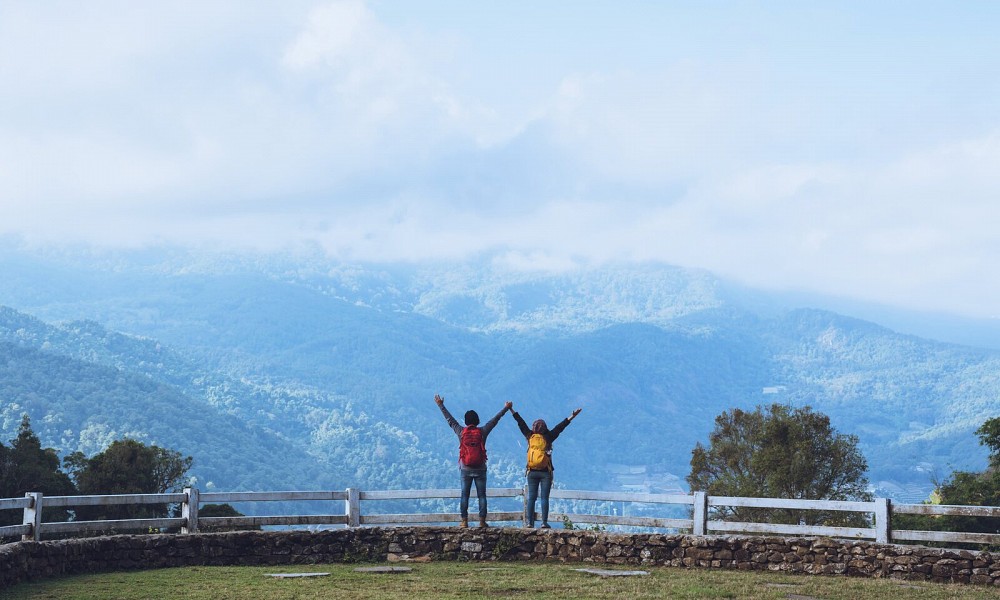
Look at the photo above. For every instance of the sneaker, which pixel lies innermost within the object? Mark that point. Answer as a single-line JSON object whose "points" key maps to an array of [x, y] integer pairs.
{"points": [[482, 523], [464, 524], [546, 526]]}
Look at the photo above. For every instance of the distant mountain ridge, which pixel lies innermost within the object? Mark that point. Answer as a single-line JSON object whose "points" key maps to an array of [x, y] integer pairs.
{"points": [[333, 366]]}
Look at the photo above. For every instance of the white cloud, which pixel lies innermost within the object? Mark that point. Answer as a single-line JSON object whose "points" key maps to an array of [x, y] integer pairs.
{"points": [[335, 35], [917, 232], [381, 131], [658, 126]]}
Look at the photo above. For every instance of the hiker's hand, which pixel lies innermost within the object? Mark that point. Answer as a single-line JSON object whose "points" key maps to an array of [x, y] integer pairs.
{"points": [[575, 412], [439, 400], [509, 406]]}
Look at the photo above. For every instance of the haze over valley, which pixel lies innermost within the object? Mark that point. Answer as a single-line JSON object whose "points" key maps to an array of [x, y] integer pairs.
{"points": [[276, 371]]}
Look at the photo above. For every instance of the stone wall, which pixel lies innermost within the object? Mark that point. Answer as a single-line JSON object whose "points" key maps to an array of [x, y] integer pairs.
{"points": [[25, 561]]}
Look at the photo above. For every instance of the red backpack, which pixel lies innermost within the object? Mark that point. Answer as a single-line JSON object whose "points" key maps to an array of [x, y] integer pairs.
{"points": [[472, 449]]}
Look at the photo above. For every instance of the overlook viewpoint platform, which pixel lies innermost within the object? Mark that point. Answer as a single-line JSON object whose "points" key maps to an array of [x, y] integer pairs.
{"points": [[690, 538], [28, 561]]}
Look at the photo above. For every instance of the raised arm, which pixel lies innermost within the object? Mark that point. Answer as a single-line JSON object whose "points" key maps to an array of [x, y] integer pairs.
{"points": [[525, 430], [563, 425], [447, 415], [496, 419]]}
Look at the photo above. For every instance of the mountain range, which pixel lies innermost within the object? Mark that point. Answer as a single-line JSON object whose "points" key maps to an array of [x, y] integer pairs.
{"points": [[298, 372]]}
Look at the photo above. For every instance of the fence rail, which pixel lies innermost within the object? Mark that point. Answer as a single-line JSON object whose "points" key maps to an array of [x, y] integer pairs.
{"points": [[697, 508]]}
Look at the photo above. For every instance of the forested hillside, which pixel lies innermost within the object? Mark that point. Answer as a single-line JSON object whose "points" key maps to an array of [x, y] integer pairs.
{"points": [[914, 403], [84, 387], [82, 406], [274, 373]]}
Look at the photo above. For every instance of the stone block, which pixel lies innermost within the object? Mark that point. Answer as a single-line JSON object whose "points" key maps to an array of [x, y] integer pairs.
{"points": [[944, 571]]}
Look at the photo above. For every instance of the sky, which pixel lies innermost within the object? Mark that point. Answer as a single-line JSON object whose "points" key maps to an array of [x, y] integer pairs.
{"points": [[846, 148]]}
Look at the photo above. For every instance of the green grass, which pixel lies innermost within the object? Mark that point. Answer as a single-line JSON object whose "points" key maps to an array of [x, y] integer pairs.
{"points": [[472, 580]]}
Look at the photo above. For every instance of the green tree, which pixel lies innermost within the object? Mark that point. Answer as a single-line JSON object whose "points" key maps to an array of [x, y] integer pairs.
{"points": [[27, 467], [780, 452], [966, 488], [989, 436], [128, 467]]}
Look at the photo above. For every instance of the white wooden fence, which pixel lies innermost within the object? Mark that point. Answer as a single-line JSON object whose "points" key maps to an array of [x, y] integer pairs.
{"points": [[697, 506]]}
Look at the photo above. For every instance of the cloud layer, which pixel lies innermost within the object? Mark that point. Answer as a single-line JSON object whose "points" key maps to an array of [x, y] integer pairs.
{"points": [[844, 149]]}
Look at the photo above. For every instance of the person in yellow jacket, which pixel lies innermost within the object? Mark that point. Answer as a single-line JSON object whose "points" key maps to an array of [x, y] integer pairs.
{"points": [[539, 469]]}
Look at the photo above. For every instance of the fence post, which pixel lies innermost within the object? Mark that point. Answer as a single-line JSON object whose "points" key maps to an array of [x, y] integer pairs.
{"points": [[33, 517], [189, 510], [883, 521], [352, 506], [699, 516]]}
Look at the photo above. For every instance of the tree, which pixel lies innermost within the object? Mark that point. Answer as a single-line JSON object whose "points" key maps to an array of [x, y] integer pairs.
{"points": [[989, 436], [27, 467], [128, 467], [780, 452], [966, 488]]}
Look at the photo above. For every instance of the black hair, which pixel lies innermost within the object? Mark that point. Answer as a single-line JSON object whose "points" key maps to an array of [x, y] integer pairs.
{"points": [[471, 418]]}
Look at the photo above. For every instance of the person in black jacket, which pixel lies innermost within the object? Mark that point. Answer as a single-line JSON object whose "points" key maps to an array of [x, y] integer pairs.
{"points": [[472, 473], [539, 471]]}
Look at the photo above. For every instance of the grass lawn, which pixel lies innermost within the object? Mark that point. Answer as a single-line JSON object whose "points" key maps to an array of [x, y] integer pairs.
{"points": [[472, 580]]}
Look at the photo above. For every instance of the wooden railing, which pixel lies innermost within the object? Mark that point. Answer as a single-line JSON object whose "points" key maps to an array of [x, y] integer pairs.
{"points": [[697, 507]]}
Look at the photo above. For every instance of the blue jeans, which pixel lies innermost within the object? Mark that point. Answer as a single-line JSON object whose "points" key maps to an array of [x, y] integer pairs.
{"points": [[536, 480], [469, 476]]}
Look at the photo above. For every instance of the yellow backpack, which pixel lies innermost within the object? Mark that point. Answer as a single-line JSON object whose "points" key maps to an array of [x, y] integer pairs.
{"points": [[538, 456]]}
